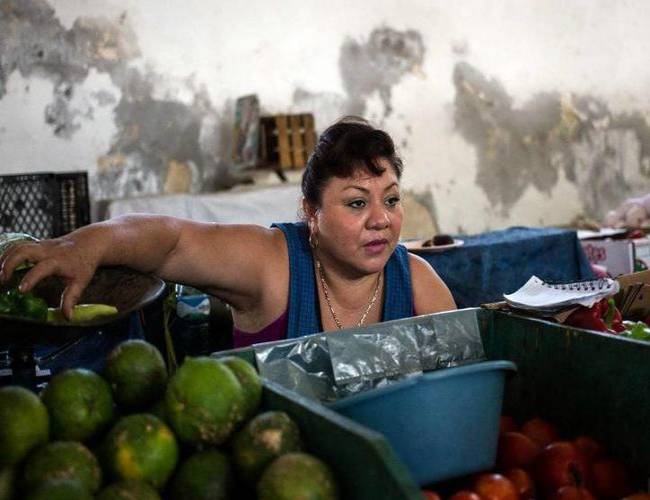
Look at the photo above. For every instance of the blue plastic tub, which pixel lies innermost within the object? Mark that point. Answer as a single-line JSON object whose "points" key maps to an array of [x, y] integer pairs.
{"points": [[442, 424]]}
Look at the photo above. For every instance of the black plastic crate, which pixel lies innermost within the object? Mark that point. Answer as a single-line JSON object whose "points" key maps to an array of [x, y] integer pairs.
{"points": [[45, 205]]}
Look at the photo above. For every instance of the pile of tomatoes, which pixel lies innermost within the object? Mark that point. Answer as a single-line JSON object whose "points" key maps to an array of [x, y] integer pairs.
{"points": [[533, 462]]}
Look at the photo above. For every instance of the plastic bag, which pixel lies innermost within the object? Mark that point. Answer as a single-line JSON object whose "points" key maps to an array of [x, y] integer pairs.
{"points": [[330, 366]]}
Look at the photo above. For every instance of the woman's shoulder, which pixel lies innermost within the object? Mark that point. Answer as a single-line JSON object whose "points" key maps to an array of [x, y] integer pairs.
{"points": [[430, 293], [416, 262], [421, 270], [292, 231], [254, 240]]}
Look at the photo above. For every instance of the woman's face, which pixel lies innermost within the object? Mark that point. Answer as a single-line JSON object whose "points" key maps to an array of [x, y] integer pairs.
{"points": [[359, 221]]}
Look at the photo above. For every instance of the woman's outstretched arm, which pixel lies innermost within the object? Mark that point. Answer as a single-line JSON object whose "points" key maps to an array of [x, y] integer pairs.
{"points": [[229, 261]]}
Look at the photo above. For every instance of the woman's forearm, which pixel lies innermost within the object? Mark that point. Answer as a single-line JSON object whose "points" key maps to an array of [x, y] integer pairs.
{"points": [[141, 242]]}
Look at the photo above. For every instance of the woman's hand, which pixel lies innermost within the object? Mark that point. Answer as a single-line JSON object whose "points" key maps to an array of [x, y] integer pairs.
{"points": [[72, 260]]}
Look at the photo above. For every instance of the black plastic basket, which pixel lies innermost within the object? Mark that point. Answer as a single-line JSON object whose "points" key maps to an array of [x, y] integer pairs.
{"points": [[45, 205]]}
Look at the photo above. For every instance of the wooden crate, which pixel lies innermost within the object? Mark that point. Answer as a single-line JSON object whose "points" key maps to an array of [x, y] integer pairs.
{"points": [[286, 141]]}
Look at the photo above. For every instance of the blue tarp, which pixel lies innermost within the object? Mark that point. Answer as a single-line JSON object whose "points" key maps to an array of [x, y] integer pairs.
{"points": [[490, 264]]}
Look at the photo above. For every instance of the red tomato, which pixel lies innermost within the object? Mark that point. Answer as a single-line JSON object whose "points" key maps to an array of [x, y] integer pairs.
{"points": [[430, 495]]}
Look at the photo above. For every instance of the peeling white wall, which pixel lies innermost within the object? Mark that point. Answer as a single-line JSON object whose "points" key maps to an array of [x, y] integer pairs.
{"points": [[290, 54]]}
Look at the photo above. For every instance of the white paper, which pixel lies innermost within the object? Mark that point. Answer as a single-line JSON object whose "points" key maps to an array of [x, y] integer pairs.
{"points": [[540, 296]]}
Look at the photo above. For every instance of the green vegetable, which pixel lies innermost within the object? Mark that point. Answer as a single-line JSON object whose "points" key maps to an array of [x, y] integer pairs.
{"points": [[26, 305], [6, 303], [636, 330], [81, 313], [608, 317], [33, 307]]}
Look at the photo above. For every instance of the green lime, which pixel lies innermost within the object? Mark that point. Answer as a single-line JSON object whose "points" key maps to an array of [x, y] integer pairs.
{"points": [[263, 439], [80, 404], [137, 373], [62, 460], [142, 448], [128, 490], [250, 382], [7, 483], [204, 401], [60, 489], [24, 423], [297, 475], [206, 475]]}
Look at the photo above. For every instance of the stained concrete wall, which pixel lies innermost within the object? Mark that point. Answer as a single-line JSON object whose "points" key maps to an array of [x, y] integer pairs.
{"points": [[505, 111]]}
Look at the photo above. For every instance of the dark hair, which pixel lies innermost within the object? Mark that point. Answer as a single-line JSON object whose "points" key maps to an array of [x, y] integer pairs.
{"points": [[351, 143]]}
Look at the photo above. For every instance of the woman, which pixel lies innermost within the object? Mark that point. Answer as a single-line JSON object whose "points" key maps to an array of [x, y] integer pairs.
{"points": [[340, 268]]}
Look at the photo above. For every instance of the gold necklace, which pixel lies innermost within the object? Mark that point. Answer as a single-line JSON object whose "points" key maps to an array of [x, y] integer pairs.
{"points": [[372, 301]]}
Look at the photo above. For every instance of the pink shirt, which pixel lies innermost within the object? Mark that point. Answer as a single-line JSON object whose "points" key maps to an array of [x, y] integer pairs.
{"points": [[277, 330]]}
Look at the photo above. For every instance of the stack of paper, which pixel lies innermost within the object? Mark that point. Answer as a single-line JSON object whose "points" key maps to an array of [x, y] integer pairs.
{"points": [[537, 295]]}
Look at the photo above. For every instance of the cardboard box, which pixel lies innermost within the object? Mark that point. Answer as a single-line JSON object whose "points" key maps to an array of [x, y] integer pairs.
{"points": [[641, 253], [633, 299], [617, 256]]}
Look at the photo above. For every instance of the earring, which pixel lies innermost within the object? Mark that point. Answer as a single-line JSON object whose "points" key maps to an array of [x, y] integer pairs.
{"points": [[313, 241]]}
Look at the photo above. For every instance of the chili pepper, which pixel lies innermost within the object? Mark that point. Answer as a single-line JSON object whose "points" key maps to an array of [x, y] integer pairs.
{"points": [[603, 316], [613, 317], [589, 318], [617, 324]]}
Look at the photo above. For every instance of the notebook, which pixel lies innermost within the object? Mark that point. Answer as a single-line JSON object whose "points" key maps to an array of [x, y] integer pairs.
{"points": [[537, 295]]}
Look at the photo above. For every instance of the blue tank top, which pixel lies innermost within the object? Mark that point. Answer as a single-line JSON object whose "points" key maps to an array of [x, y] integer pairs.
{"points": [[303, 309]]}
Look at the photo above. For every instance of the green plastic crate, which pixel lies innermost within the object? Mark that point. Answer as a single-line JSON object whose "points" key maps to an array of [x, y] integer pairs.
{"points": [[582, 381], [585, 382]]}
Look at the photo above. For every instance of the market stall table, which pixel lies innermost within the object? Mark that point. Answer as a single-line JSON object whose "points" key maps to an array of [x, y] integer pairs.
{"points": [[490, 264]]}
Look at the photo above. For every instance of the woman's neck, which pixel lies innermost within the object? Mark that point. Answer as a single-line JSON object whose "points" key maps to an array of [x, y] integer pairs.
{"points": [[350, 290]]}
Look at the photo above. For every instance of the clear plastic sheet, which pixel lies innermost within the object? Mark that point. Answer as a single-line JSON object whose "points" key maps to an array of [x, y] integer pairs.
{"points": [[330, 366], [363, 360], [450, 339], [302, 365]]}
